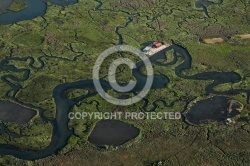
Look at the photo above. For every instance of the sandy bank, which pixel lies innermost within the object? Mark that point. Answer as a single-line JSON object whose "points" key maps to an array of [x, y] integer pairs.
{"points": [[245, 36]]}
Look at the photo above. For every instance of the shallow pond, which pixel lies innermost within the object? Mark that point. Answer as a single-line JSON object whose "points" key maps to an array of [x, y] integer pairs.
{"points": [[11, 112], [5, 4], [217, 108], [112, 132]]}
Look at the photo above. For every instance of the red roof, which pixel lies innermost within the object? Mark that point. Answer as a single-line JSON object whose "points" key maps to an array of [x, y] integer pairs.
{"points": [[156, 45]]}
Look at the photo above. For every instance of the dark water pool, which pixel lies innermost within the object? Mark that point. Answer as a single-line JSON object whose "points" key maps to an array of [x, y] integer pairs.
{"points": [[11, 112], [5, 4], [112, 132], [216, 108]]}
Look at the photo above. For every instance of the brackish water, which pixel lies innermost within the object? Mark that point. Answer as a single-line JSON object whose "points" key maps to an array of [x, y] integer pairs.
{"points": [[61, 132], [204, 3], [5, 4], [11, 112], [37, 8], [33, 9], [112, 132], [212, 109]]}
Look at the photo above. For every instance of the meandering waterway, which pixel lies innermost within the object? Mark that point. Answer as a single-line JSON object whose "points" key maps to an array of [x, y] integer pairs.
{"points": [[33, 9], [61, 132]]}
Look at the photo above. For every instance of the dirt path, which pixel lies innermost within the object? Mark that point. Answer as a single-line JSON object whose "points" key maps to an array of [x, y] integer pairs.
{"points": [[245, 36], [213, 40], [220, 40]]}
